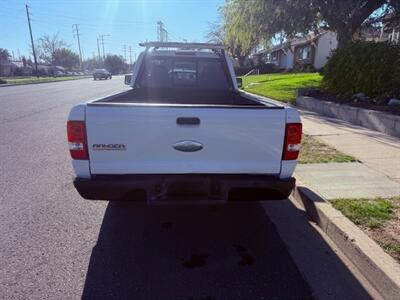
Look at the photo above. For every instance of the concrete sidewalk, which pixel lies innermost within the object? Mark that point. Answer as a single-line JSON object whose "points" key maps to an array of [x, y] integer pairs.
{"points": [[379, 155]]}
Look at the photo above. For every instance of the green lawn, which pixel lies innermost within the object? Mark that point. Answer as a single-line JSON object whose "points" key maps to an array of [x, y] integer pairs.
{"points": [[32, 79], [379, 218], [371, 213], [313, 151], [281, 87]]}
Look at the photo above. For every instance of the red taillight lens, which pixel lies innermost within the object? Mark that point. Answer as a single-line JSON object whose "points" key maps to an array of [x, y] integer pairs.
{"points": [[76, 131], [292, 141]]}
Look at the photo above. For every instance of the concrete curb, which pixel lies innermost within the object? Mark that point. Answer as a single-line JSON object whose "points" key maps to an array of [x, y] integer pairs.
{"points": [[372, 119], [16, 84], [381, 270]]}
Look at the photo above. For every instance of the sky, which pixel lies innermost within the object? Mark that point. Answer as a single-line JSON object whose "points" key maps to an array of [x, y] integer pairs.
{"points": [[126, 22]]}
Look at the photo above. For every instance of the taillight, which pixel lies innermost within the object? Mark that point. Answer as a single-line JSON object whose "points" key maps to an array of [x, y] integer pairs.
{"points": [[291, 146], [76, 131]]}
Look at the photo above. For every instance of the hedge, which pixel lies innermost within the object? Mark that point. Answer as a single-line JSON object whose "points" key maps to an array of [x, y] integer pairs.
{"points": [[263, 68], [368, 67]]}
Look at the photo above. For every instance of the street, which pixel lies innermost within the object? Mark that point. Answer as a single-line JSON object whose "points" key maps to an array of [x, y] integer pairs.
{"points": [[55, 245]]}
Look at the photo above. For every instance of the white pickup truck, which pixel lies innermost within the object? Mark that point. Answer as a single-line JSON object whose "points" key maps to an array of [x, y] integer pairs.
{"points": [[184, 133]]}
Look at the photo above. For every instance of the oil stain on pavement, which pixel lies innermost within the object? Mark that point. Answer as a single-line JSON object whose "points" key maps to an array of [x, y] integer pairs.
{"points": [[245, 258], [196, 261]]}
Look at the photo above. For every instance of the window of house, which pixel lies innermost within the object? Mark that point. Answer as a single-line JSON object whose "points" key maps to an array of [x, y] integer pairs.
{"points": [[304, 52]]}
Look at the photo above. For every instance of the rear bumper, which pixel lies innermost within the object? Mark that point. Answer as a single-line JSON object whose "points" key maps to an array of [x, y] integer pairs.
{"points": [[160, 188]]}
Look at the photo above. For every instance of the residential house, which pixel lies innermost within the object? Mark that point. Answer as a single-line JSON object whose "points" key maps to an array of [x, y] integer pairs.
{"points": [[391, 35], [259, 56], [15, 68], [389, 32], [23, 68], [282, 56], [394, 36], [279, 55], [26, 68], [313, 49]]}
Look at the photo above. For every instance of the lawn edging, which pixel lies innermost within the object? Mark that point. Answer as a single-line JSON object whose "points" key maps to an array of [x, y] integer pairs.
{"points": [[372, 119], [381, 270]]}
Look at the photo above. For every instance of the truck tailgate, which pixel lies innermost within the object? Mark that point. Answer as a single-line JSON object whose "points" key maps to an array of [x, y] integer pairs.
{"points": [[135, 139]]}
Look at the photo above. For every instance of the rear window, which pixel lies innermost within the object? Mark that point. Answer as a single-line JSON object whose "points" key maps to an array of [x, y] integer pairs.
{"points": [[169, 73]]}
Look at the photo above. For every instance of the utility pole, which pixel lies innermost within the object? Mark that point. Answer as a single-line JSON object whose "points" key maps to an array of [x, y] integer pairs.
{"points": [[33, 45], [76, 34], [102, 43], [162, 33], [98, 48], [124, 48], [130, 55]]}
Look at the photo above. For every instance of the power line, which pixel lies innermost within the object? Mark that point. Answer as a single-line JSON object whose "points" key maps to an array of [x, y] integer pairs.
{"points": [[30, 32], [77, 19], [76, 34]]}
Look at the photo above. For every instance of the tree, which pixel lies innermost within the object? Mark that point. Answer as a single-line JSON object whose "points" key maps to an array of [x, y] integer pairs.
{"points": [[250, 21], [4, 54], [47, 47], [92, 63], [66, 58], [114, 63], [215, 33]]}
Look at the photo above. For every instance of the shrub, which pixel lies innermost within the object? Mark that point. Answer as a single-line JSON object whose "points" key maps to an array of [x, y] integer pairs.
{"points": [[264, 68], [267, 68], [303, 68], [3, 81], [240, 71], [368, 67]]}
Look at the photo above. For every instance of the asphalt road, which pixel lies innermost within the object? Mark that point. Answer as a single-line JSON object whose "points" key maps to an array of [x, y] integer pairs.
{"points": [[55, 245]]}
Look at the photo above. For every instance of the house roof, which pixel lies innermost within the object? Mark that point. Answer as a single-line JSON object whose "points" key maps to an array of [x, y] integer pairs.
{"points": [[285, 46], [298, 41], [260, 52]]}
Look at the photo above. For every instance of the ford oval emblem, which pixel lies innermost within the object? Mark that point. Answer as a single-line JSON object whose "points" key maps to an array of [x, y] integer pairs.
{"points": [[188, 146]]}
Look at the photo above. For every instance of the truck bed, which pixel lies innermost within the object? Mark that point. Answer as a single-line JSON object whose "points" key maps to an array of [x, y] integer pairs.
{"points": [[187, 97]]}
